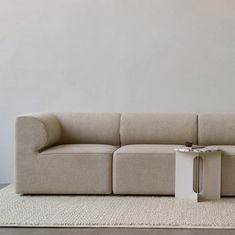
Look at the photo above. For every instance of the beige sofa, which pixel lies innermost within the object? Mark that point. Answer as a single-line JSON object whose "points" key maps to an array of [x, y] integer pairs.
{"points": [[105, 153]]}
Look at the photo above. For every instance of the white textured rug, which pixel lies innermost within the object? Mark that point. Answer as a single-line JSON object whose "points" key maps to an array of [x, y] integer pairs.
{"points": [[113, 211]]}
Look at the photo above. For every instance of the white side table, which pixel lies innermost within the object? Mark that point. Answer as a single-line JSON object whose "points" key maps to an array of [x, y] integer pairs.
{"points": [[198, 173]]}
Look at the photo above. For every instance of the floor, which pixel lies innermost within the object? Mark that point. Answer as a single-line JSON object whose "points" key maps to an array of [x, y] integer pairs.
{"points": [[110, 231]]}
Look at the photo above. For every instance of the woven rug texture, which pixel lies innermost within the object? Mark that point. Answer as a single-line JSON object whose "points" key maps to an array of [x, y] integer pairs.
{"points": [[113, 211]]}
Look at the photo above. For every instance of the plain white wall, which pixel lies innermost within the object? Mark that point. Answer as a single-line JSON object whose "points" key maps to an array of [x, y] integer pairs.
{"points": [[113, 55]]}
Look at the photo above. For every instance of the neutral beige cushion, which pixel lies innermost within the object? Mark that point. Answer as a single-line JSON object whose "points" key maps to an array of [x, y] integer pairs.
{"points": [[216, 129], [71, 169], [157, 128], [227, 170], [80, 148], [144, 169], [89, 128]]}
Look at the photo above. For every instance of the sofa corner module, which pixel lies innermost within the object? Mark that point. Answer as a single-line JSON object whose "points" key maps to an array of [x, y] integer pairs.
{"points": [[33, 132]]}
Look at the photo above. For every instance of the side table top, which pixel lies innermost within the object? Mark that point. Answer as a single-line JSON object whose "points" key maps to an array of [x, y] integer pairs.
{"points": [[197, 149]]}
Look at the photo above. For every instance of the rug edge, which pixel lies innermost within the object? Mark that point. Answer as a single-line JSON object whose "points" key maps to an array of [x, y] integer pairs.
{"points": [[118, 226]]}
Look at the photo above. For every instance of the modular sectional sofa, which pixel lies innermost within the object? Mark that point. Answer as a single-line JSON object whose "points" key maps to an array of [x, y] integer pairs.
{"points": [[112, 153]]}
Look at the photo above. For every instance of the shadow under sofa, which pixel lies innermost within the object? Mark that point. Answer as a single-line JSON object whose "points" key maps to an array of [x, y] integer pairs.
{"points": [[112, 153]]}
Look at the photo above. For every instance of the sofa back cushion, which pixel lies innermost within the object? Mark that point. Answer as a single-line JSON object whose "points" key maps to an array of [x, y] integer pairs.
{"points": [[157, 128], [216, 129], [89, 128]]}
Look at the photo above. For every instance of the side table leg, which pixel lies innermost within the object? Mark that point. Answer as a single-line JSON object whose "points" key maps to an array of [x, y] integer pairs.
{"points": [[184, 175]]}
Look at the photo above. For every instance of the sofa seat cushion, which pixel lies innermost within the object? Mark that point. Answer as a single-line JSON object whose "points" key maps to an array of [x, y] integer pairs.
{"points": [[80, 148], [144, 169], [79, 168], [227, 170]]}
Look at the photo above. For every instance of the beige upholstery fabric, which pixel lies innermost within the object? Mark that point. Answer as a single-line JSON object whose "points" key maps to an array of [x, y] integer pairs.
{"points": [[70, 169], [80, 148], [58, 169], [144, 169], [216, 129], [227, 170], [89, 128], [36, 131], [155, 128]]}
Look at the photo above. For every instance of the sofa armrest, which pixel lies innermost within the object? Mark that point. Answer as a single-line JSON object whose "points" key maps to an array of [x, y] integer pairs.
{"points": [[35, 132]]}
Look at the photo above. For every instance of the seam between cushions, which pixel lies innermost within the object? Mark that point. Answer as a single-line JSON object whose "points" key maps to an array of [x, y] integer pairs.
{"points": [[143, 153], [74, 153]]}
